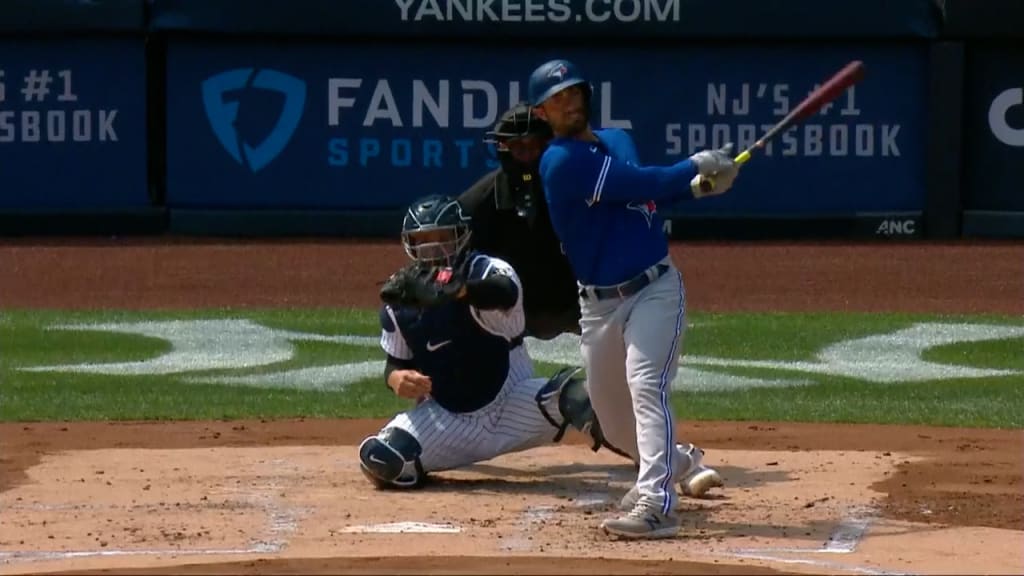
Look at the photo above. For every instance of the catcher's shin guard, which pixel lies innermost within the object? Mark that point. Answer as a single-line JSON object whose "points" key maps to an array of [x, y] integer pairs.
{"points": [[599, 441], [570, 396], [549, 400], [391, 459]]}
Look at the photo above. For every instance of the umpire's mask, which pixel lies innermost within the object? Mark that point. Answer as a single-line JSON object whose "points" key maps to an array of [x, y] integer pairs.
{"points": [[518, 140]]}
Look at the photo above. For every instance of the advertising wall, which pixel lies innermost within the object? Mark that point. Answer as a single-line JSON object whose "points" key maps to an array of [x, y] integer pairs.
{"points": [[985, 20], [208, 116], [373, 125], [994, 129], [21, 16], [72, 124], [561, 19]]}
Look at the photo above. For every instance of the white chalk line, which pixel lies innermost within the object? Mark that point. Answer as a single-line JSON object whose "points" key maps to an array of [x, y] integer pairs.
{"points": [[530, 516], [281, 522], [848, 534], [592, 499], [42, 555], [405, 527], [536, 514], [844, 539], [812, 562]]}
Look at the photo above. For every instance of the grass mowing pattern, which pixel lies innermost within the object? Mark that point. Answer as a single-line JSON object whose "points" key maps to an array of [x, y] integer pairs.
{"points": [[37, 396]]}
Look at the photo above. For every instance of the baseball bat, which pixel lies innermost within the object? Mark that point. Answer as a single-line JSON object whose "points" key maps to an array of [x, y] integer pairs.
{"points": [[827, 92]]}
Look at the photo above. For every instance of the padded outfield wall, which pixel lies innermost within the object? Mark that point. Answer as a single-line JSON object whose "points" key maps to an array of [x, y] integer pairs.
{"points": [[326, 117]]}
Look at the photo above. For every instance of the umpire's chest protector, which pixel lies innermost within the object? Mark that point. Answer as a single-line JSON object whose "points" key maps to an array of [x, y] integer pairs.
{"points": [[467, 365]]}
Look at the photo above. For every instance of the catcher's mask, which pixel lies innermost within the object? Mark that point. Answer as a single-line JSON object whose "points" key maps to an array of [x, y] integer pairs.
{"points": [[436, 231], [519, 138]]}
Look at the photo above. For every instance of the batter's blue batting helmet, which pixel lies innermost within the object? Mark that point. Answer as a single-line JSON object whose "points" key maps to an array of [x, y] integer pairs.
{"points": [[551, 77]]}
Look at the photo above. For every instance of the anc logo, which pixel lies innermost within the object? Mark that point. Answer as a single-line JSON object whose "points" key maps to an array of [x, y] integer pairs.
{"points": [[222, 95]]}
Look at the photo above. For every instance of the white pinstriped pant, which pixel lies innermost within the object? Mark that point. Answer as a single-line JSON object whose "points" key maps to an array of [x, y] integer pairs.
{"points": [[512, 422]]}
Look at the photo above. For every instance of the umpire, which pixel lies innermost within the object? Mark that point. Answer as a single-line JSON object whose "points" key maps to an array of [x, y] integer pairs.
{"points": [[510, 221]]}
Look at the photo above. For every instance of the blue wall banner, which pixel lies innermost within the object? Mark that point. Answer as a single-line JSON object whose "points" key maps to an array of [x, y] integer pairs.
{"points": [[994, 129], [986, 19], [373, 126], [556, 18], [72, 124], [72, 15]]}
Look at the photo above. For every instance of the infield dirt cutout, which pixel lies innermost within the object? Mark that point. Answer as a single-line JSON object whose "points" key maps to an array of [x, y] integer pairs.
{"points": [[283, 504], [285, 496]]}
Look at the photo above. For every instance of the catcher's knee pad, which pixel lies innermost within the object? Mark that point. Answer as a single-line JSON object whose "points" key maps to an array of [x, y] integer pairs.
{"points": [[391, 459]]}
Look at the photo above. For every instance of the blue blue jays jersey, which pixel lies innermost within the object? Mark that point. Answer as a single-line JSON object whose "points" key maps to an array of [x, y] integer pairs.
{"points": [[603, 204], [468, 353]]}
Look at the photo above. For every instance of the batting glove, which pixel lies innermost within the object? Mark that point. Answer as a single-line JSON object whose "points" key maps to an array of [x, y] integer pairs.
{"points": [[716, 171]]}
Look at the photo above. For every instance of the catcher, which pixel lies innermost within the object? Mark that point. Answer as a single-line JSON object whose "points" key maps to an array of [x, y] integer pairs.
{"points": [[453, 333], [452, 328], [510, 221]]}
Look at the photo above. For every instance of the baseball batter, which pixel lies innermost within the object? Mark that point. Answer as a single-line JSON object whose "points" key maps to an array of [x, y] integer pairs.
{"points": [[633, 302], [459, 352]]}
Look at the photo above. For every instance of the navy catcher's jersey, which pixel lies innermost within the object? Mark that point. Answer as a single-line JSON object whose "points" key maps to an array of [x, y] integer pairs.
{"points": [[468, 353], [602, 204]]}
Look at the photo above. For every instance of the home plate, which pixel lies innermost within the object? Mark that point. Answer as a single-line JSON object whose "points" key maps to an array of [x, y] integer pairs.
{"points": [[402, 528]]}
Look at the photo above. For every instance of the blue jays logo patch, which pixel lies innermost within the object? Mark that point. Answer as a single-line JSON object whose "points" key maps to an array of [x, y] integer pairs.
{"points": [[648, 209], [558, 72]]}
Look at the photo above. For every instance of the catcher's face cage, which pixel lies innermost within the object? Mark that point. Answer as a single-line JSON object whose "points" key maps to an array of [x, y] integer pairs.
{"points": [[436, 245]]}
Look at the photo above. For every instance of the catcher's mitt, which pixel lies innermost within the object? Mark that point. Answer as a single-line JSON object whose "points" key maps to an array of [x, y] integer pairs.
{"points": [[422, 286]]}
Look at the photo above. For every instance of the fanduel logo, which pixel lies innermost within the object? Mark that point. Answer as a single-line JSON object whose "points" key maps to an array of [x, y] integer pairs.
{"points": [[998, 117], [222, 110]]}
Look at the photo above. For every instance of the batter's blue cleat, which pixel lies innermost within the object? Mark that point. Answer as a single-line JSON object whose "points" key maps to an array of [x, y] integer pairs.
{"points": [[643, 522], [695, 481]]}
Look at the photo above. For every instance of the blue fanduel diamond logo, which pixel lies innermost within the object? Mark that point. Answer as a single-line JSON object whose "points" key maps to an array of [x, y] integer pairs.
{"points": [[223, 112]]}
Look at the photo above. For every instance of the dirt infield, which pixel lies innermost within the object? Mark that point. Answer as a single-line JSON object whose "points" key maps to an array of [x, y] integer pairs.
{"points": [[284, 497], [191, 273]]}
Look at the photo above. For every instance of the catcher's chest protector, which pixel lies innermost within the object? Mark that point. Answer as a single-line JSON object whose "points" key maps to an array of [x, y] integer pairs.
{"points": [[466, 364]]}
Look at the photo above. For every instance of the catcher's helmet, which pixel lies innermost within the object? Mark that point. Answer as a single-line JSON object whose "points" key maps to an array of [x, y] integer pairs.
{"points": [[435, 230], [554, 76]]}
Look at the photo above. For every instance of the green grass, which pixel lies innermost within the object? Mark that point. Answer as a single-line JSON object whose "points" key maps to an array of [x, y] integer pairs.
{"points": [[781, 336], [1007, 354], [996, 403], [26, 341]]}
